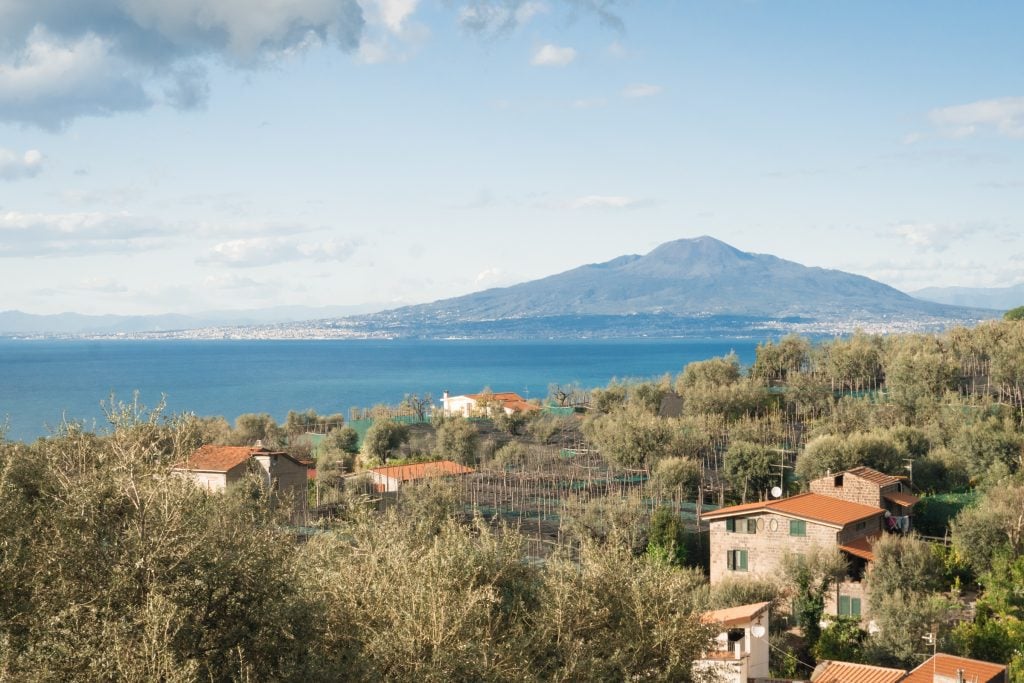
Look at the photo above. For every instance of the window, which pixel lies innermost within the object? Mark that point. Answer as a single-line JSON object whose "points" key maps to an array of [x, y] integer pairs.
{"points": [[751, 525], [849, 607], [730, 524], [797, 527], [838, 481], [736, 560], [861, 525]]}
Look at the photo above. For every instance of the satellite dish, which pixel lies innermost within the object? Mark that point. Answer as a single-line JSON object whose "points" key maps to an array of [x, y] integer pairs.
{"points": [[757, 630], [776, 492]]}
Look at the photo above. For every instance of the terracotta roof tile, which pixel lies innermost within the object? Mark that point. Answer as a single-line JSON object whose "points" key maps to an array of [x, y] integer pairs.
{"points": [[942, 668], [422, 470], [861, 547], [210, 458], [904, 499], [810, 506], [731, 616], [845, 672], [874, 476]]}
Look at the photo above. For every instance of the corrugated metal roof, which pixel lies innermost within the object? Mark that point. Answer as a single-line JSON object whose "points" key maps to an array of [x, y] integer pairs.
{"points": [[731, 616], [945, 667], [904, 499], [422, 470], [861, 547], [845, 672], [811, 506]]}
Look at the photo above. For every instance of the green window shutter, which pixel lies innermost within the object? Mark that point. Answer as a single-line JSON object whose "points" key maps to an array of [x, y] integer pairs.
{"points": [[730, 524], [751, 525], [855, 607], [844, 605], [797, 527], [743, 560]]}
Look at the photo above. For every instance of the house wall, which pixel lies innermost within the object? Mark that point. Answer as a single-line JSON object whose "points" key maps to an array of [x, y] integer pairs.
{"points": [[853, 589], [459, 405], [854, 489], [765, 548], [383, 483], [286, 476], [211, 481], [867, 527]]}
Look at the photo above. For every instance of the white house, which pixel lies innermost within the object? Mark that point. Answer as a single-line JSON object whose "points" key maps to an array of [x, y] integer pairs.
{"points": [[470, 404], [741, 648]]}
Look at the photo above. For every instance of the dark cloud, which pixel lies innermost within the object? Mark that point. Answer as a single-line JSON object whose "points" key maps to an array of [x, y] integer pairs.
{"points": [[60, 60]]}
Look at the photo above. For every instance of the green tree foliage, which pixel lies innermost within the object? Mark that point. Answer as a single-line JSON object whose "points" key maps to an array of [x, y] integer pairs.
{"points": [[809, 577], [991, 528], [842, 640], [919, 369], [903, 620], [631, 437], [344, 439], [853, 364], [253, 427], [904, 563], [666, 538], [675, 476], [712, 372], [417, 405], [610, 398], [748, 467], [878, 450], [779, 362], [382, 439], [1014, 314], [457, 439]]}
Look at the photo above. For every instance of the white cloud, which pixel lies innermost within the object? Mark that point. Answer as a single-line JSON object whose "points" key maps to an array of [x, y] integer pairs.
{"points": [[264, 251], [488, 16], [14, 166], [936, 237], [595, 201], [617, 50], [553, 55], [102, 285], [589, 103], [390, 34], [61, 60], [1005, 115], [79, 234], [641, 90]]}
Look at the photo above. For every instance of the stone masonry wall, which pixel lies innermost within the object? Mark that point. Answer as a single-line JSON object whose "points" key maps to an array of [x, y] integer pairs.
{"points": [[854, 489], [764, 548]]}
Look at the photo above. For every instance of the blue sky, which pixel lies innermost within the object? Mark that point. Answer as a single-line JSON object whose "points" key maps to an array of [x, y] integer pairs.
{"points": [[206, 154]]}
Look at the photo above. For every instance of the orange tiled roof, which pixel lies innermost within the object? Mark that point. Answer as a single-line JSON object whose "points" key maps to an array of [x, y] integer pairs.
{"points": [[811, 506], [212, 458], [845, 672], [904, 499], [861, 547], [874, 476], [507, 399], [946, 666], [731, 616], [422, 470]]}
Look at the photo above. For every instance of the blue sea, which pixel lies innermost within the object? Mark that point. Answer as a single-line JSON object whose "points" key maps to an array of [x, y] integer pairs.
{"points": [[43, 382]]}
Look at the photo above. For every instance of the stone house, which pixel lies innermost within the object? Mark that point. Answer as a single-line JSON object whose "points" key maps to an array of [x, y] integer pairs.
{"points": [[871, 487], [215, 468], [740, 653], [751, 539]]}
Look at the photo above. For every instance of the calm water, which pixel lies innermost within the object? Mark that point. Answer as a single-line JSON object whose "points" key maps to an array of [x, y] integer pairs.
{"points": [[41, 381]]}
